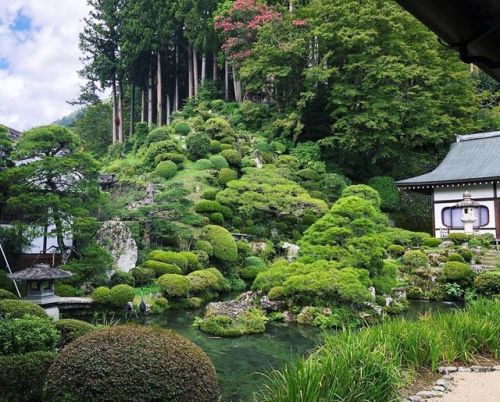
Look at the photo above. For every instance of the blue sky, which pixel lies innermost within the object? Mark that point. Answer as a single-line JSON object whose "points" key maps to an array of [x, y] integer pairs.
{"points": [[39, 59]]}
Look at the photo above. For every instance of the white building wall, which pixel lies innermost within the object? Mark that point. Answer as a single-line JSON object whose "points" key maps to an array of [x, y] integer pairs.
{"points": [[449, 196]]}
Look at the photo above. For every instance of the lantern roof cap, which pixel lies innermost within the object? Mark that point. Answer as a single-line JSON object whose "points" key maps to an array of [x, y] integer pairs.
{"points": [[40, 272], [467, 201]]}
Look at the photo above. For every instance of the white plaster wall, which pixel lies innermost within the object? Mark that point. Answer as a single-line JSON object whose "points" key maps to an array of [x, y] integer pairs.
{"points": [[438, 208], [456, 193]]}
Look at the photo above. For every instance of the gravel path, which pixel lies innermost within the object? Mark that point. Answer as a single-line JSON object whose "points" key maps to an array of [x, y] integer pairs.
{"points": [[474, 387]]}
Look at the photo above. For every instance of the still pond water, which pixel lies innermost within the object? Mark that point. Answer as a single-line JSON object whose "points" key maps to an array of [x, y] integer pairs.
{"points": [[241, 361]]}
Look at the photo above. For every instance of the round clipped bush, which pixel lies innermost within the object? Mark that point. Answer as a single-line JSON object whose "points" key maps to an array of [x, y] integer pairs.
{"points": [[488, 283], [308, 174], [210, 194], [166, 169], [175, 157], [458, 238], [132, 363], [200, 281], [276, 293], [194, 302], [70, 329], [203, 164], [192, 260], [466, 254], [204, 246], [182, 128], [65, 290], [363, 191], [206, 206], [173, 285], [395, 250], [432, 242], [459, 273], [121, 278], [20, 308], [143, 276], [198, 145], [101, 295], [217, 218], [121, 295], [215, 146], [223, 147], [226, 175], [456, 257], [22, 376], [415, 259], [232, 157], [218, 162], [225, 247], [157, 134], [5, 294], [162, 268], [170, 257], [249, 273]]}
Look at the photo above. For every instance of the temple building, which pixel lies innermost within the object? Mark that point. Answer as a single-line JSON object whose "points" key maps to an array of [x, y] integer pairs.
{"points": [[465, 187]]}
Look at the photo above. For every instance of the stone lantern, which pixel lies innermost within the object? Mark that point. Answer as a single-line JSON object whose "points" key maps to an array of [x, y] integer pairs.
{"points": [[468, 218], [40, 280]]}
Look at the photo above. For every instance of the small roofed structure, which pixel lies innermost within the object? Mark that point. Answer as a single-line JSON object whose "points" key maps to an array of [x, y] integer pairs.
{"points": [[467, 182], [40, 280]]}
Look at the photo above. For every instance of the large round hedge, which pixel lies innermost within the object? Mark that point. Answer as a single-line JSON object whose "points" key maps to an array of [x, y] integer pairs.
{"points": [[162, 268], [170, 257], [218, 162], [101, 295], [132, 363], [198, 145], [224, 245], [365, 192], [457, 272], [166, 169], [19, 308], [226, 175], [232, 156], [172, 285], [70, 329], [121, 295]]}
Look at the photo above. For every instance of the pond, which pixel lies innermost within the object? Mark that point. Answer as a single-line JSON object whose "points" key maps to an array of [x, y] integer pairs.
{"points": [[241, 361]]}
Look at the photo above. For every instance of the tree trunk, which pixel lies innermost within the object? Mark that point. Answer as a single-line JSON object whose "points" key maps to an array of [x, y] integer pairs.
{"points": [[176, 89], [132, 110], [168, 109], [159, 94], [290, 6], [237, 87], [226, 81], [120, 112], [204, 62], [143, 105], [214, 66], [190, 72], [150, 95], [113, 102], [195, 71]]}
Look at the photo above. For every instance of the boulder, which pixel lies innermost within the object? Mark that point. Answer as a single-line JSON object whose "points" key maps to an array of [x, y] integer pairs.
{"points": [[271, 305], [116, 237], [292, 251], [231, 308]]}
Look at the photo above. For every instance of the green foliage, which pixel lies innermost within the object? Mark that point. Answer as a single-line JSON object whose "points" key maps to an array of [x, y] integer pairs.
{"points": [[415, 259], [432, 242], [120, 295], [487, 283], [388, 192], [276, 293], [159, 306], [194, 302], [206, 206], [170, 257], [226, 175], [456, 257], [182, 128], [161, 268], [198, 145], [203, 164], [92, 266], [155, 365], [23, 376], [159, 148], [192, 260], [458, 238], [166, 169], [20, 308], [5, 294], [218, 162], [64, 290], [172, 285], [101, 295], [177, 158], [210, 194], [306, 153], [143, 276], [232, 156], [459, 273], [218, 128], [120, 277], [215, 146], [157, 134], [202, 281], [252, 321], [216, 218], [396, 250], [466, 254], [364, 192], [204, 246], [93, 126], [70, 329], [308, 174], [224, 246]]}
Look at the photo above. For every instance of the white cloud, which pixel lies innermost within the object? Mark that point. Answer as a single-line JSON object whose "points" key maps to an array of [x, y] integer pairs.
{"points": [[42, 61]]}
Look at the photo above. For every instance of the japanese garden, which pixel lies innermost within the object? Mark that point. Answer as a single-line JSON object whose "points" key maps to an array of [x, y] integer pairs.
{"points": [[287, 201]]}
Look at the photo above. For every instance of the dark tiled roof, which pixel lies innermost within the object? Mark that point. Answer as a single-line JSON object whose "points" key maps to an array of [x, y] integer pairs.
{"points": [[40, 272], [473, 157]]}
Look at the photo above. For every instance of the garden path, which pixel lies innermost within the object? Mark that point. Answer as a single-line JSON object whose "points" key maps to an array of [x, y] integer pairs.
{"points": [[474, 387]]}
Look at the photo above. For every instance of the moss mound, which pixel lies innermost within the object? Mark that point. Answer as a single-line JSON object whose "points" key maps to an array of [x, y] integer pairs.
{"points": [[132, 363], [19, 308]]}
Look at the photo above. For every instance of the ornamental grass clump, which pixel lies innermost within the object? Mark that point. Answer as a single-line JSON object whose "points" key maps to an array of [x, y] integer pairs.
{"points": [[132, 363]]}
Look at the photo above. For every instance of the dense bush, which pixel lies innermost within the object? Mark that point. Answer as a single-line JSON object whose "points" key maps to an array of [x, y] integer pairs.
{"points": [[276, 293], [204, 246], [215, 146], [170, 257], [177, 158], [415, 259], [5, 294], [387, 190], [395, 250], [252, 321], [143, 276], [27, 334], [166, 169], [218, 162], [458, 238], [198, 145], [157, 134], [93, 266], [488, 283], [121, 294], [466, 254], [22, 377], [432, 242], [162, 268], [459, 273], [202, 280], [217, 218], [218, 128], [139, 363], [224, 245], [19, 308], [193, 262], [182, 128], [232, 156], [364, 192], [207, 206], [70, 329], [194, 302], [121, 278], [456, 257], [226, 175], [65, 290], [203, 164], [159, 148], [210, 194], [101, 295], [172, 285]]}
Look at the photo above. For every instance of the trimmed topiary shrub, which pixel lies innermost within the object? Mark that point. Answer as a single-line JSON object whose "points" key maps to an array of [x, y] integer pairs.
{"points": [[157, 134], [232, 157], [192, 259], [432, 242], [308, 174], [70, 329], [162, 268], [175, 157], [170, 257], [276, 293], [415, 259], [65, 290], [210, 194], [159, 305], [101, 295], [201, 281], [204, 246], [456, 257], [22, 377], [194, 302], [218, 162], [226, 175], [395, 250], [172, 285], [249, 273], [203, 164], [457, 272], [488, 283], [217, 218], [182, 128], [458, 238], [198, 145], [207, 206], [364, 192], [215, 146], [20, 308], [27, 334], [143, 276], [5, 294], [224, 245], [466, 254], [121, 278], [253, 261], [132, 363], [121, 295], [223, 147], [166, 169]]}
